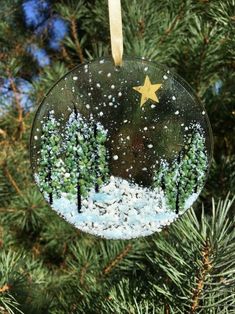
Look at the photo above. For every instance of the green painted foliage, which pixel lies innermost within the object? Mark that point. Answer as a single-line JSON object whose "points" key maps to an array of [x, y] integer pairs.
{"points": [[72, 162], [49, 166], [186, 174]]}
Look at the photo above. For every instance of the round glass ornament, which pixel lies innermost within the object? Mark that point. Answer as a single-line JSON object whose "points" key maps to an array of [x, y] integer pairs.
{"points": [[121, 152]]}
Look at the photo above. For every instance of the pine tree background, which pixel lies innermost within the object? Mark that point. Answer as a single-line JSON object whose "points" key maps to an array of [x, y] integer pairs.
{"points": [[46, 265]]}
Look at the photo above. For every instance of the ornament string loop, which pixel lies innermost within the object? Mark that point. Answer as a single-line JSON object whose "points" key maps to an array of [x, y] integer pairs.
{"points": [[115, 22]]}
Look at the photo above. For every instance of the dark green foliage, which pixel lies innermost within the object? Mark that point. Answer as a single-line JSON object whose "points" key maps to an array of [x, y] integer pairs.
{"points": [[76, 158], [186, 175], [85, 156], [46, 265], [49, 179], [73, 162]]}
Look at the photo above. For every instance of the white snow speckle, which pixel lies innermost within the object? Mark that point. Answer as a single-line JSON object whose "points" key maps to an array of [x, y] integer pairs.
{"points": [[173, 97], [101, 113], [145, 128], [150, 146], [177, 112], [119, 94], [88, 106], [98, 85], [186, 128], [112, 86], [165, 77], [35, 137], [203, 112], [153, 106], [101, 61], [109, 75], [146, 69], [115, 157], [110, 104], [75, 78], [125, 121]]}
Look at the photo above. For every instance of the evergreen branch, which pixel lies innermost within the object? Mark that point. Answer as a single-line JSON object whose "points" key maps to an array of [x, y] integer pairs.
{"points": [[116, 260], [76, 40], [178, 17], [5, 288], [205, 268], [201, 59], [166, 309], [65, 54], [11, 179], [83, 272], [19, 108], [3, 133]]}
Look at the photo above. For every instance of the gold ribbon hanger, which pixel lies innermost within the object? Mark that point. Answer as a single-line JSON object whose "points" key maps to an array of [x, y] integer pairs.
{"points": [[115, 22]]}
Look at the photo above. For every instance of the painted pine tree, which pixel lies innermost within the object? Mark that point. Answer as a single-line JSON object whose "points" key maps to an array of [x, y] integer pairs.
{"points": [[77, 163], [184, 177], [99, 165], [49, 161]]}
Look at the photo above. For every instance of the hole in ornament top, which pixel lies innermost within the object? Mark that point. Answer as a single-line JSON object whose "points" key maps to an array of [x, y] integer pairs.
{"points": [[120, 154]]}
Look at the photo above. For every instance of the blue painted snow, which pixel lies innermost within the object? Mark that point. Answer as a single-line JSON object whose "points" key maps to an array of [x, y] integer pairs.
{"points": [[102, 197]]}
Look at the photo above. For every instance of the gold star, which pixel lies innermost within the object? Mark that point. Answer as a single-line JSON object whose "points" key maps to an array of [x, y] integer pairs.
{"points": [[148, 91]]}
